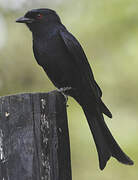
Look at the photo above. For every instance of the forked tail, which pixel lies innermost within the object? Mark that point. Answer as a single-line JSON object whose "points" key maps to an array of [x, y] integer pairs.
{"points": [[105, 142]]}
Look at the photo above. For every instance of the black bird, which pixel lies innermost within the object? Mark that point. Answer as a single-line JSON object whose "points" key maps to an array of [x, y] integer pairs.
{"points": [[64, 61]]}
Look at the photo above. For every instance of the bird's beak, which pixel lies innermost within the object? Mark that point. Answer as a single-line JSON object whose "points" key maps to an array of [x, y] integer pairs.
{"points": [[24, 20]]}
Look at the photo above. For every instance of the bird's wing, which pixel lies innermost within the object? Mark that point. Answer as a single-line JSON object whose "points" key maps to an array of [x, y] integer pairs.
{"points": [[75, 49]]}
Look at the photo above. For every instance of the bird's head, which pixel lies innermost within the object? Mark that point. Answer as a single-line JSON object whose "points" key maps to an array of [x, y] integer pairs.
{"points": [[36, 18]]}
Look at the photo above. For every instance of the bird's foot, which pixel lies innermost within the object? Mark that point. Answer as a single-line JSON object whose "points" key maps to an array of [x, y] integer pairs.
{"points": [[66, 99], [63, 92], [64, 89]]}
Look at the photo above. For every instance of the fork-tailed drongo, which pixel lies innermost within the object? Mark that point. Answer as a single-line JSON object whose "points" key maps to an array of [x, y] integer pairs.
{"points": [[64, 61]]}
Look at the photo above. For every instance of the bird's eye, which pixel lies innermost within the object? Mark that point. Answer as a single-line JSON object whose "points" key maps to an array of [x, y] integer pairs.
{"points": [[39, 16]]}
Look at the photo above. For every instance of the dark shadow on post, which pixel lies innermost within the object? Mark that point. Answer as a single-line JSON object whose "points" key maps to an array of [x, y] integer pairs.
{"points": [[34, 138]]}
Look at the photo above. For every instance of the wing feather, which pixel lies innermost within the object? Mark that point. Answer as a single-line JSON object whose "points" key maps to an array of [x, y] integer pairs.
{"points": [[75, 49]]}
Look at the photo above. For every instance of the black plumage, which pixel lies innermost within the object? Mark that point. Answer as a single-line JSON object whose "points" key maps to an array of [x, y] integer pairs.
{"points": [[64, 61]]}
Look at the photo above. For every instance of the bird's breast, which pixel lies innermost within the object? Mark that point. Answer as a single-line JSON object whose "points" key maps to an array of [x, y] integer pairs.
{"points": [[49, 50], [55, 59]]}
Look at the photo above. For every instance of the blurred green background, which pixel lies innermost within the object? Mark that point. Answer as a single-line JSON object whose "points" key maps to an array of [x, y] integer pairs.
{"points": [[108, 32]]}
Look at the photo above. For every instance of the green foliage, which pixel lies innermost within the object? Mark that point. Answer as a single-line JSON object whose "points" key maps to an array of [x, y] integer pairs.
{"points": [[108, 31]]}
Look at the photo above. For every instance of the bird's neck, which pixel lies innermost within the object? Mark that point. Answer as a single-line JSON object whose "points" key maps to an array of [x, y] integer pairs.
{"points": [[43, 31]]}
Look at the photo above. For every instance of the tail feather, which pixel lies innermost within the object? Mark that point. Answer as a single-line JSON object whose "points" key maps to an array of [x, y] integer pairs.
{"points": [[105, 110], [105, 142]]}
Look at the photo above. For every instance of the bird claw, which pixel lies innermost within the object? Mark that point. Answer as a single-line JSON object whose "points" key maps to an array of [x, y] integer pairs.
{"points": [[66, 99], [62, 91]]}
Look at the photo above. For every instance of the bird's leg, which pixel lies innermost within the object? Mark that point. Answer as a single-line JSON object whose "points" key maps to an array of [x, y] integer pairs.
{"points": [[66, 98], [63, 92]]}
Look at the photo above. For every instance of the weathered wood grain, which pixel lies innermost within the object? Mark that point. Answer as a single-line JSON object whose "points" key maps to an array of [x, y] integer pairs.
{"points": [[34, 138]]}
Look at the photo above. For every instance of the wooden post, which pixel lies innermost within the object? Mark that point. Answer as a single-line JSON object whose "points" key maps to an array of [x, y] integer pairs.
{"points": [[34, 139]]}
